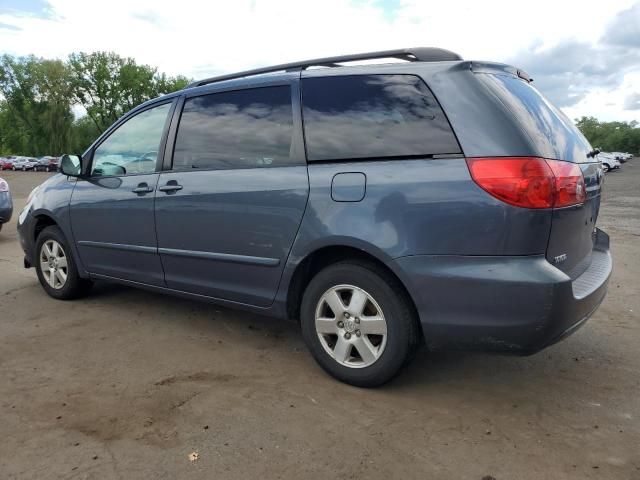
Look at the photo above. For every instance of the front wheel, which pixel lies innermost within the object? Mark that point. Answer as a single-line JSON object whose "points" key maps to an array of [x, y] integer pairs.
{"points": [[56, 267], [358, 323], [606, 167]]}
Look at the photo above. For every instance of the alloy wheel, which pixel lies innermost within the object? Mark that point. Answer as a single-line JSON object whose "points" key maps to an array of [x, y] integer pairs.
{"points": [[351, 326], [53, 264]]}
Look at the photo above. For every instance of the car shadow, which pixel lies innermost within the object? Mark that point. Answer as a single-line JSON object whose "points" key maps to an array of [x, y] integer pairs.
{"points": [[456, 370]]}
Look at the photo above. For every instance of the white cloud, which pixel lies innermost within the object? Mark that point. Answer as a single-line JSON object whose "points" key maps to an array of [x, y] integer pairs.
{"points": [[201, 38]]}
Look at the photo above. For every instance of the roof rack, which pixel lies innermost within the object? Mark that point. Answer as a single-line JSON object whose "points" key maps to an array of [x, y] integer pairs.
{"points": [[420, 54]]}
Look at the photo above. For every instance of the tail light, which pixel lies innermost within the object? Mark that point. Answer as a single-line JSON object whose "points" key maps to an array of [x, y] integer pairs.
{"points": [[570, 187], [529, 182], [4, 186]]}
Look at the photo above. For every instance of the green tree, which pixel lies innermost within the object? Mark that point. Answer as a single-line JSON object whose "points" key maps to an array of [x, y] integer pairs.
{"points": [[108, 85], [36, 113], [611, 136], [37, 96], [54, 81], [84, 132]]}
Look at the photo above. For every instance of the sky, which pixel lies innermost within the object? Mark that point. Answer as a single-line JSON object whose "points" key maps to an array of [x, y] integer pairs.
{"points": [[583, 55]]}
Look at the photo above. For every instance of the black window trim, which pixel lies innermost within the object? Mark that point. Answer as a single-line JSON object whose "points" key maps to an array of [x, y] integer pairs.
{"points": [[298, 153], [121, 121]]}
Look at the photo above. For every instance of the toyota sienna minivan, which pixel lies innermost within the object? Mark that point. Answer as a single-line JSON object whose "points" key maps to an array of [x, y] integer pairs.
{"points": [[425, 200]]}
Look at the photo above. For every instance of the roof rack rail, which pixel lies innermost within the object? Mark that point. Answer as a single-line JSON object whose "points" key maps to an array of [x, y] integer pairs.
{"points": [[420, 54]]}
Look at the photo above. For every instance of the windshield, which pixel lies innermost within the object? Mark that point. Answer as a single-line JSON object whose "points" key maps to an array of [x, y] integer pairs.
{"points": [[553, 134]]}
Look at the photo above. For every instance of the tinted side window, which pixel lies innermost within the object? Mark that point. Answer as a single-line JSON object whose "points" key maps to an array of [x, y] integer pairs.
{"points": [[239, 129], [133, 147], [361, 116]]}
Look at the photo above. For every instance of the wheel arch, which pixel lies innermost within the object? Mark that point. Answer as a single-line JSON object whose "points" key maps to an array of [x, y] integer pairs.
{"points": [[43, 218], [42, 221], [327, 255]]}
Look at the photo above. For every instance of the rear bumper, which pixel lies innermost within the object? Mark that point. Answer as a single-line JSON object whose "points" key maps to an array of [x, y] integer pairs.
{"points": [[508, 304]]}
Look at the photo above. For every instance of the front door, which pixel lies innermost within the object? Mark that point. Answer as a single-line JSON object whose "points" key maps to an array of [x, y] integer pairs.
{"points": [[228, 210], [112, 211]]}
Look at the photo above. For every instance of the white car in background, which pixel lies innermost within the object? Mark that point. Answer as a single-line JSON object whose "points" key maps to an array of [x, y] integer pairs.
{"points": [[609, 161], [622, 156], [24, 163]]}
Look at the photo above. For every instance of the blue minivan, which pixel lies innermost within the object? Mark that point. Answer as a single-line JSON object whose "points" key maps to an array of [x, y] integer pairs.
{"points": [[427, 201]]}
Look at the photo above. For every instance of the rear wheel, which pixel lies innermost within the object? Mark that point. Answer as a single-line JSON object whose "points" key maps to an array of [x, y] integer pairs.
{"points": [[56, 268], [358, 323], [24, 169], [606, 167]]}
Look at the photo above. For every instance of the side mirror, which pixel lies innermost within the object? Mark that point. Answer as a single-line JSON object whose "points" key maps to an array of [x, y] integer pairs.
{"points": [[71, 165]]}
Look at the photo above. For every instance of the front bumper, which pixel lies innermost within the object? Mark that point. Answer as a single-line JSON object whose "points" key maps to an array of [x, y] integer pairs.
{"points": [[508, 304], [26, 227]]}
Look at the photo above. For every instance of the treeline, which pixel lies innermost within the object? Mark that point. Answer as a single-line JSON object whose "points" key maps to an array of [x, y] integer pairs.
{"points": [[611, 136], [38, 98]]}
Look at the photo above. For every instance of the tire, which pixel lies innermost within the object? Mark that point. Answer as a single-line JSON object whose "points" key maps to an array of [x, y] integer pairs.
{"points": [[13, 168], [24, 169], [606, 167], [386, 354], [73, 286]]}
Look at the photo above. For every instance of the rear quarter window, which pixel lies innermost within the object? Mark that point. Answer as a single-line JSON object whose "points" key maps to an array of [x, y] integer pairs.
{"points": [[552, 133], [373, 116]]}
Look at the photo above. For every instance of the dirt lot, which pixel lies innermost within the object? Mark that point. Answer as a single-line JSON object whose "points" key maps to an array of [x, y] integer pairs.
{"points": [[126, 384]]}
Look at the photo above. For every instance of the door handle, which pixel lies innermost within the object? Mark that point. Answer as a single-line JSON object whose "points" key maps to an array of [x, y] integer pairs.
{"points": [[142, 188], [170, 187]]}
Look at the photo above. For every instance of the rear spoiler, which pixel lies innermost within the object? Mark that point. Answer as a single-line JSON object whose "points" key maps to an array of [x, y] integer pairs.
{"points": [[499, 68]]}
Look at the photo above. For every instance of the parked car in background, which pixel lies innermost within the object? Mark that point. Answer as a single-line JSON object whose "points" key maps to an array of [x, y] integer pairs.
{"points": [[46, 164], [622, 156], [608, 160], [6, 204], [6, 163], [436, 201], [24, 163]]}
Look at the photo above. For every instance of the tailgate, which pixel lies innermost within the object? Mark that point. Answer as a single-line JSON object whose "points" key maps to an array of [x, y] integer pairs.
{"points": [[553, 136], [573, 228]]}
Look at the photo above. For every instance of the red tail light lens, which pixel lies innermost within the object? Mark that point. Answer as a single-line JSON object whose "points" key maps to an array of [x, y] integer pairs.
{"points": [[529, 182], [524, 182], [570, 187]]}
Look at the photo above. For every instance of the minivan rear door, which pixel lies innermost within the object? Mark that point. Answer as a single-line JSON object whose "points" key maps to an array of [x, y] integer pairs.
{"points": [[553, 136], [229, 205]]}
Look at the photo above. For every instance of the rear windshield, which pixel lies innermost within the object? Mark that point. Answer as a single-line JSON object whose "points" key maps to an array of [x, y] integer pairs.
{"points": [[553, 134]]}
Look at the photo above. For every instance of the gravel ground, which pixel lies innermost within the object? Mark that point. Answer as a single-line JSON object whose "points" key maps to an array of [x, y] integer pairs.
{"points": [[127, 384]]}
